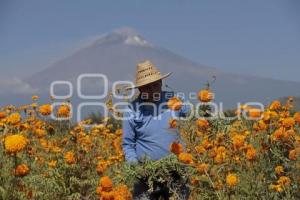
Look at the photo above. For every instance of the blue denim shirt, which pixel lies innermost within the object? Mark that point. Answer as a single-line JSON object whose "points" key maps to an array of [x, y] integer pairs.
{"points": [[146, 132]]}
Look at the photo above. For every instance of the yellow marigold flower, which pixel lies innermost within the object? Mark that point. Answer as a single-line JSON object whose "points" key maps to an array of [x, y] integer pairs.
{"points": [[284, 181], [52, 163], [35, 98], [174, 103], [221, 149], [277, 188], [44, 143], [34, 105], [13, 118], [40, 132], [70, 158], [232, 180], [293, 154], [275, 105], [238, 141], [279, 169], [21, 170], [202, 123], [202, 168], [119, 132], [172, 123], [267, 116], [45, 110], [176, 148], [297, 117], [15, 143], [288, 122], [106, 184], [205, 95], [186, 158], [220, 158]]}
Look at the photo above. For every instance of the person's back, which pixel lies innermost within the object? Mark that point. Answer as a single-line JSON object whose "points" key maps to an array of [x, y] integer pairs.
{"points": [[147, 131]]}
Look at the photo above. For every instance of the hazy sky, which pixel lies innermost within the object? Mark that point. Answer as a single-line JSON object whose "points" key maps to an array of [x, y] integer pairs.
{"points": [[260, 37]]}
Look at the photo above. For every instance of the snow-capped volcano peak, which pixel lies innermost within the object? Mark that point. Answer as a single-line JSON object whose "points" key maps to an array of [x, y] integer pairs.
{"points": [[125, 35], [137, 40]]}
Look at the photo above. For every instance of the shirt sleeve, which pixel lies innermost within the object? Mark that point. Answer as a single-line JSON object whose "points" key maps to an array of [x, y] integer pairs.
{"points": [[185, 108], [129, 140]]}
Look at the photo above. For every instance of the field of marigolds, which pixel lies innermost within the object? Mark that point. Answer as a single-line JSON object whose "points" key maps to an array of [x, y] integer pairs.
{"points": [[43, 158]]}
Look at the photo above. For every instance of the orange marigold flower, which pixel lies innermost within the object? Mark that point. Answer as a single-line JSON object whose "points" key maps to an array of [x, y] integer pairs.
{"points": [[101, 166], [297, 117], [69, 157], [202, 168], [288, 122], [106, 184], [232, 180], [15, 143], [207, 144], [63, 111], [275, 105], [200, 149], [284, 181], [194, 180], [205, 95], [279, 133], [174, 103], [202, 123], [278, 169], [121, 192], [45, 110], [2, 115], [293, 154], [260, 126], [21, 170], [173, 123], [186, 158], [176, 148], [254, 113], [251, 153], [220, 157]]}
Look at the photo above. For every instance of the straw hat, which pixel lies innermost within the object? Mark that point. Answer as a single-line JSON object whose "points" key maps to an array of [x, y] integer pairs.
{"points": [[146, 72]]}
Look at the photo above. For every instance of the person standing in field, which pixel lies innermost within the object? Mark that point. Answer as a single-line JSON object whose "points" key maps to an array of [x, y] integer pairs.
{"points": [[146, 129]]}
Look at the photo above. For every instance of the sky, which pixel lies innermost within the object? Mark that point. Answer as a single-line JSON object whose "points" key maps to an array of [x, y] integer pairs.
{"points": [[248, 37]]}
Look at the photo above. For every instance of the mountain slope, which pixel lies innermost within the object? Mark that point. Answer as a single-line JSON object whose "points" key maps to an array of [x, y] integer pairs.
{"points": [[117, 53]]}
